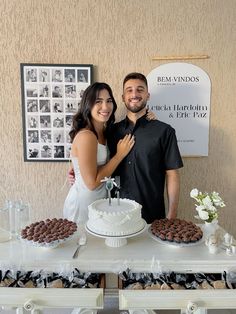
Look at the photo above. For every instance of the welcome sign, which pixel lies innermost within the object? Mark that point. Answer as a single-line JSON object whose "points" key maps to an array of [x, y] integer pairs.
{"points": [[180, 96]]}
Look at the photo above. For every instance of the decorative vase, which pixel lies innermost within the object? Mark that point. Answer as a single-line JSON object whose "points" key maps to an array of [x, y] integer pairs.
{"points": [[210, 228]]}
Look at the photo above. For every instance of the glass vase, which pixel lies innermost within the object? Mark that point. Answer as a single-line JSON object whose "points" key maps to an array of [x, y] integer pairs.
{"points": [[210, 228], [5, 234]]}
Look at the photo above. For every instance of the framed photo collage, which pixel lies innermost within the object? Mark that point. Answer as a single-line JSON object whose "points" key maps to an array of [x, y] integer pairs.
{"points": [[51, 95]]}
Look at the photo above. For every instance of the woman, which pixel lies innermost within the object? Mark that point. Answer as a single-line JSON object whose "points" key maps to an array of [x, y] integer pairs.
{"points": [[89, 153]]}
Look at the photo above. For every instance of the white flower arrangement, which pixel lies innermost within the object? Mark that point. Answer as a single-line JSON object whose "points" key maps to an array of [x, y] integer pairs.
{"points": [[207, 204]]}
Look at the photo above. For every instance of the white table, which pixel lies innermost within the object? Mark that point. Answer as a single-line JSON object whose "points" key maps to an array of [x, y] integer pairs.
{"points": [[141, 254]]}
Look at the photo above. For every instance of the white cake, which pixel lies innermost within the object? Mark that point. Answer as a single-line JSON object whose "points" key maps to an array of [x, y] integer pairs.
{"points": [[115, 219]]}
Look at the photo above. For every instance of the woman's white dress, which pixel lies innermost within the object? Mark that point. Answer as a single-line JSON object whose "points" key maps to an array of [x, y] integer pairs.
{"points": [[79, 196]]}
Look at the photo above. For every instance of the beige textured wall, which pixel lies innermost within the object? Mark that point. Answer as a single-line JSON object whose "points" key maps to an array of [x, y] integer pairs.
{"points": [[118, 36]]}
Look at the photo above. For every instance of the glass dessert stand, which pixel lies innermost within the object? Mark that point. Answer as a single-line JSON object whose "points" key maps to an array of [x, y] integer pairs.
{"points": [[117, 241]]}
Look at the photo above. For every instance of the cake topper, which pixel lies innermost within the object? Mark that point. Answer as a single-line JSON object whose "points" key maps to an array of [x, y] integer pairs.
{"points": [[110, 183], [117, 192]]}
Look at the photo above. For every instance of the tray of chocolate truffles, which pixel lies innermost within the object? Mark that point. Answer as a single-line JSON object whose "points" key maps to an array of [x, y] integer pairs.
{"points": [[176, 232], [49, 233]]}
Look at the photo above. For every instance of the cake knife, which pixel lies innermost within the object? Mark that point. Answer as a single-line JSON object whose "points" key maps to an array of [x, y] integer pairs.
{"points": [[82, 241]]}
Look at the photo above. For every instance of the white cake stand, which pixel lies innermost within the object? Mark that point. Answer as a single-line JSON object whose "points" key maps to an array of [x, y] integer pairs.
{"points": [[117, 241]]}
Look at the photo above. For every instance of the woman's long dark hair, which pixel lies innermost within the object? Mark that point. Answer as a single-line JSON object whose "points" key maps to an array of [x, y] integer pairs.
{"points": [[83, 119]]}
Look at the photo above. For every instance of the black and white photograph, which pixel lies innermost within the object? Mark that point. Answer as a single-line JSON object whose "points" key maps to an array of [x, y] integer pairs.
{"points": [[33, 152], [33, 122], [70, 91], [33, 136], [82, 76], [58, 136], [70, 106], [80, 90], [46, 151], [51, 94], [59, 151], [68, 149], [58, 121], [69, 75], [44, 75], [32, 90], [44, 90], [69, 119], [68, 139], [57, 91], [45, 136], [57, 75], [44, 105], [57, 105], [45, 121], [32, 105], [31, 75]]}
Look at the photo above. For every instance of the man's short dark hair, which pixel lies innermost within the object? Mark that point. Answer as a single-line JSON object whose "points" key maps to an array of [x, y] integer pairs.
{"points": [[135, 76]]}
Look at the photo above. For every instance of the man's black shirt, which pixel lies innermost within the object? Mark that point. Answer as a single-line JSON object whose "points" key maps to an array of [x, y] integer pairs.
{"points": [[142, 173]]}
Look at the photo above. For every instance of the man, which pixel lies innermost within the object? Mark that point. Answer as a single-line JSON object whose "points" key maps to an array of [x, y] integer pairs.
{"points": [[154, 159]]}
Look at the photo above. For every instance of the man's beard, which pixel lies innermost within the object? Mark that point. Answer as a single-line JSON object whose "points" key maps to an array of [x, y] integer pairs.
{"points": [[137, 109]]}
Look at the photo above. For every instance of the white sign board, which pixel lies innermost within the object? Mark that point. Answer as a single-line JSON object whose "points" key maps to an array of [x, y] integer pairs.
{"points": [[180, 96]]}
